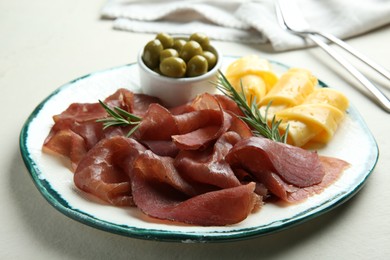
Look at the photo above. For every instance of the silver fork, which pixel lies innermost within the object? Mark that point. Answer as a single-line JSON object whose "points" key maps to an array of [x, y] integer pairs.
{"points": [[289, 18]]}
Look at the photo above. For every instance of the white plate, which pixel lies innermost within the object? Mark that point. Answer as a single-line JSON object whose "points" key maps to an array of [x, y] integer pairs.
{"points": [[353, 142]]}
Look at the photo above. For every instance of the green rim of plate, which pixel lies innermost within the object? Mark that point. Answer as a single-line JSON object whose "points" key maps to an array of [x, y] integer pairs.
{"points": [[59, 203]]}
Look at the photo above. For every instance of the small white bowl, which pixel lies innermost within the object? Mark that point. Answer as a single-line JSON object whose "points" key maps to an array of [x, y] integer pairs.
{"points": [[177, 91]]}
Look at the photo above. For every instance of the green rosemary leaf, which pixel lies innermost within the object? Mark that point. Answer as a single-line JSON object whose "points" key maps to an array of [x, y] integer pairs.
{"points": [[109, 110], [132, 130], [126, 114], [119, 117], [253, 117]]}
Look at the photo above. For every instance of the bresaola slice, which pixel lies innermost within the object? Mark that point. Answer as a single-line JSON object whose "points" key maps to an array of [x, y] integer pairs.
{"points": [[134, 103], [214, 208], [106, 170], [209, 166], [161, 169], [157, 124], [259, 156], [333, 168], [290, 173], [210, 130]]}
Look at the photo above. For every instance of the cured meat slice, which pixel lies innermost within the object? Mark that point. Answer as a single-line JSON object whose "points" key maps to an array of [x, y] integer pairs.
{"points": [[162, 148], [193, 129], [157, 124], [73, 137], [215, 123], [294, 165], [196, 140], [107, 168], [216, 208], [161, 169], [333, 168], [134, 103], [68, 144], [229, 105], [209, 166], [201, 138], [182, 109], [75, 132], [81, 112], [245, 177], [239, 126], [141, 104], [206, 101], [191, 121]]}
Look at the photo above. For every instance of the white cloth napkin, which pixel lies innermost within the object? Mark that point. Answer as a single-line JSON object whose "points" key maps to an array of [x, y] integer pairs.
{"points": [[246, 21]]}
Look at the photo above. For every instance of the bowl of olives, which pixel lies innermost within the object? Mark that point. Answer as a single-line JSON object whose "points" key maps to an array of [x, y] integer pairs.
{"points": [[177, 69]]}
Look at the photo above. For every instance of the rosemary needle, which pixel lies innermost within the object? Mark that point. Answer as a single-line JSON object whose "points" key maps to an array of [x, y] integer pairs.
{"points": [[253, 117], [119, 117]]}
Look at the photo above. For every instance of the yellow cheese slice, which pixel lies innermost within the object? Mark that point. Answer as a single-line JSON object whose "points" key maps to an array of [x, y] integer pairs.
{"points": [[252, 65], [299, 133], [253, 85], [314, 116], [328, 96], [291, 89]]}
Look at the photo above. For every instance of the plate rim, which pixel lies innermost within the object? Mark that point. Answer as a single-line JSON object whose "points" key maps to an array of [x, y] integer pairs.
{"points": [[63, 206]]}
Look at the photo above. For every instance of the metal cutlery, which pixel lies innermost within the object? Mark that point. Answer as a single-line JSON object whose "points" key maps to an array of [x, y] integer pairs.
{"points": [[288, 16]]}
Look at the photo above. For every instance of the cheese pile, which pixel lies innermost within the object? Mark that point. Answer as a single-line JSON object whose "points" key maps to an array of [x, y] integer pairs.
{"points": [[312, 113]]}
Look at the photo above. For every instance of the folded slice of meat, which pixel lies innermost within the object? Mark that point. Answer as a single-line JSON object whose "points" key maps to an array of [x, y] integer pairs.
{"points": [[310, 173], [157, 124], [211, 124], [206, 101], [68, 144], [199, 139], [161, 169], [134, 103], [191, 121], [106, 170], [239, 126], [209, 166], [81, 112], [333, 168], [80, 119], [161, 147], [215, 208], [294, 165], [229, 105]]}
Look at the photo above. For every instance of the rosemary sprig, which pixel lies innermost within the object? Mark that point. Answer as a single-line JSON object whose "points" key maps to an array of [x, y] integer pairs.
{"points": [[119, 117], [253, 116]]}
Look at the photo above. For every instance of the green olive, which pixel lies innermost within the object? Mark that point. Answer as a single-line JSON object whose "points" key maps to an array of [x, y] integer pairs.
{"points": [[211, 59], [178, 44], [173, 67], [168, 53], [201, 38], [197, 66], [190, 49], [151, 54], [165, 39]]}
